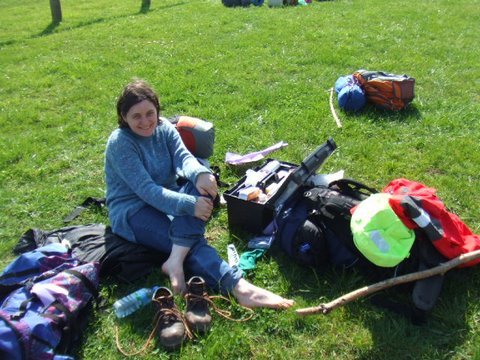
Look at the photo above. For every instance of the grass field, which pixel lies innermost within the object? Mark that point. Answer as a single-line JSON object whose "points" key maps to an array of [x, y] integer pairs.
{"points": [[261, 75]]}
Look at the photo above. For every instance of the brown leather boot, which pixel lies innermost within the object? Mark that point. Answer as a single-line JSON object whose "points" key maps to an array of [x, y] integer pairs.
{"points": [[197, 312], [170, 330]]}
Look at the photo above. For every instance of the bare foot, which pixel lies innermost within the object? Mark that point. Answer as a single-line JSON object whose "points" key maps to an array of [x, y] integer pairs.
{"points": [[252, 296], [173, 267], [176, 275]]}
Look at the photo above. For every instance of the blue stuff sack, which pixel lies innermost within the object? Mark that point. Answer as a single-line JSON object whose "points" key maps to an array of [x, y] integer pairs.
{"points": [[343, 81], [351, 96]]}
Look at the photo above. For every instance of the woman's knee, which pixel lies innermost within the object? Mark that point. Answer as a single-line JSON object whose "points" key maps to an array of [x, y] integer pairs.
{"points": [[150, 228], [190, 189]]}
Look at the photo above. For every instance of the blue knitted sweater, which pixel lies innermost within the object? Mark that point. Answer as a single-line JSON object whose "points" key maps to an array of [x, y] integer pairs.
{"points": [[143, 170]]}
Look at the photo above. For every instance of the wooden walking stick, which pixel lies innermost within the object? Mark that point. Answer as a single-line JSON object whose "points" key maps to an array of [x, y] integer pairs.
{"points": [[370, 289]]}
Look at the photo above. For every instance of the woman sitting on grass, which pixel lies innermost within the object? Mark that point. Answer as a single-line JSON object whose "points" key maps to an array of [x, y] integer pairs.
{"points": [[143, 158]]}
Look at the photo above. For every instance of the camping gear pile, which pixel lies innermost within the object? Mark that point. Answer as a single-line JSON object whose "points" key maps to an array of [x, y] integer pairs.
{"points": [[383, 90], [402, 229], [271, 3]]}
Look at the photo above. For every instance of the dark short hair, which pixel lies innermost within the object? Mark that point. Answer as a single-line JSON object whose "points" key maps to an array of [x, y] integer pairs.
{"points": [[132, 94]]}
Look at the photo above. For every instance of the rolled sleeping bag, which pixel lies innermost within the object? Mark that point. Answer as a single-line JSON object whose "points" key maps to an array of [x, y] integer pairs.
{"points": [[198, 135]]}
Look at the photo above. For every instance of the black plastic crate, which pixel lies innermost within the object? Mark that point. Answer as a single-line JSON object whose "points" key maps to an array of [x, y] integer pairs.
{"points": [[254, 216]]}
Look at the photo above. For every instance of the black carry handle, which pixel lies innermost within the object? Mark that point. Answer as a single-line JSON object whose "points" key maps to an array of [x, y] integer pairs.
{"points": [[307, 168], [352, 188], [313, 162]]}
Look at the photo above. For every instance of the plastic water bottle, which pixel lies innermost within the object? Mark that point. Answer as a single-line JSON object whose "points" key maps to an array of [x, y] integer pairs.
{"points": [[134, 301], [232, 254]]}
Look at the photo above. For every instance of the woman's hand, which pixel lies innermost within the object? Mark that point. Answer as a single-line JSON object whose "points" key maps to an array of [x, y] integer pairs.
{"points": [[203, 208], [207, 185]]}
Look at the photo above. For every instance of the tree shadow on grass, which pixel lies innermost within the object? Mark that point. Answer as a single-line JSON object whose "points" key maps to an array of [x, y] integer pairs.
{"points": [[49, 29], [52, 27]]}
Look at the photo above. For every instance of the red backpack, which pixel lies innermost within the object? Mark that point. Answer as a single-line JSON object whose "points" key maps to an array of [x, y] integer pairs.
{"points": [[419, 208]]}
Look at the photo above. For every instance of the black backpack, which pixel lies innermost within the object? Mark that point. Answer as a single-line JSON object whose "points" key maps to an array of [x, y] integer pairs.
{"points": [[329, 208], [302, 240], [314, 226]]}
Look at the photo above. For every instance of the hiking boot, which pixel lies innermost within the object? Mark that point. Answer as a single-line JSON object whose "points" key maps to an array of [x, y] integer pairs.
{"points": [[197, 312], [170, 330]]}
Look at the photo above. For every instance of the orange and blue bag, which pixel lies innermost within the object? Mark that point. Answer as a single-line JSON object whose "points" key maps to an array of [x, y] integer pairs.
{"points": [[386, 91]]}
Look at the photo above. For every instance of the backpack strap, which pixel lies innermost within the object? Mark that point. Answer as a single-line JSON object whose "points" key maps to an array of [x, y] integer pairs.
{"points": [[63, 309], [216, 172], [98, 202], [68, 326], [22, 309], [85, 281]]}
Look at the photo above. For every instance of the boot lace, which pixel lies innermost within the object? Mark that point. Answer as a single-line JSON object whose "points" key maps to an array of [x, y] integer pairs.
{"points": [[194, 298], [162, 315]]}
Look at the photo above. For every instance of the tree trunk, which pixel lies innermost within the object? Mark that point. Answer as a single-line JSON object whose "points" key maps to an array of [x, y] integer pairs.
{"points": [[56, 9], [145, 5]]}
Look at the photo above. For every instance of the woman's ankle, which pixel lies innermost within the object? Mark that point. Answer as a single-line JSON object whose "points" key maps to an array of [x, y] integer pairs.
{"points": [[174, 270]]}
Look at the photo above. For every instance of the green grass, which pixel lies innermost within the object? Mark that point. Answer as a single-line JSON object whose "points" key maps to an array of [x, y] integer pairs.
{"points": [[261, 75]]}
